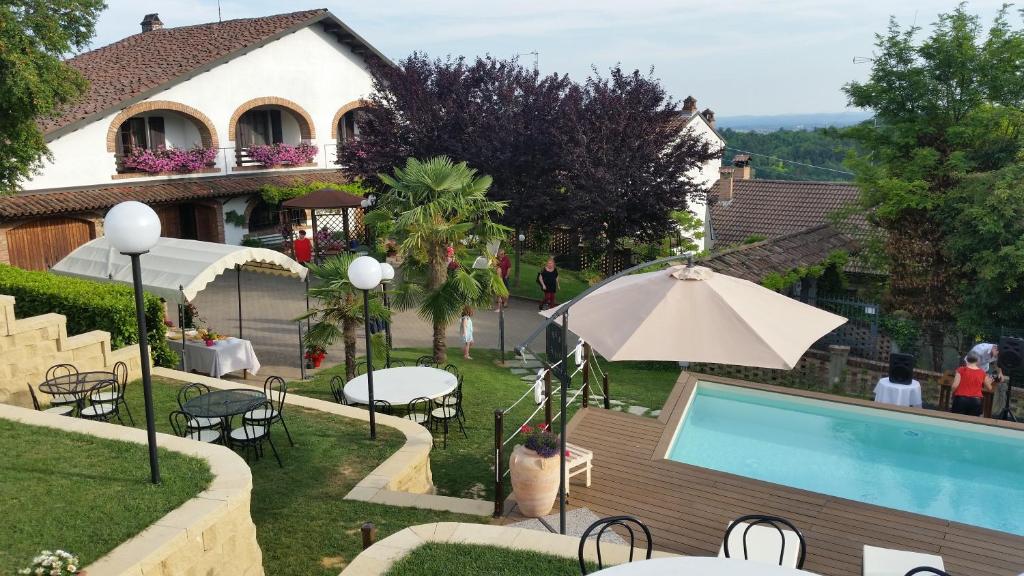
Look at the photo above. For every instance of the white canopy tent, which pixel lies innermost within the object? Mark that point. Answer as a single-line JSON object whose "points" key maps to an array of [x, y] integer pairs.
{"points": [[176, 269]]}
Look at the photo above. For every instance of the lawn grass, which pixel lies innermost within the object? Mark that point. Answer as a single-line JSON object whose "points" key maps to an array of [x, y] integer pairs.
{"points": [[465, 468], [82, 494], [476, 560], [303, 525], [571, 282]]}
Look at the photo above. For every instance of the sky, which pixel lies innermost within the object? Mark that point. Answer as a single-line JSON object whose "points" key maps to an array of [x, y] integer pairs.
{"points": [[737, 57]]}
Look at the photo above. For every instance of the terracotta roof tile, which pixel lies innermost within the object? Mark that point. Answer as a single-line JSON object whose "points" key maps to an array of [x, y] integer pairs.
{"points": [[67, 200], [780, 254], [775, 207], [143, 62]]}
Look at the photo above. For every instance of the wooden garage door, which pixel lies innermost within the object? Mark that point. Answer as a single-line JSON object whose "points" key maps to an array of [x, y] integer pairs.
{"points": [[40, 244]]}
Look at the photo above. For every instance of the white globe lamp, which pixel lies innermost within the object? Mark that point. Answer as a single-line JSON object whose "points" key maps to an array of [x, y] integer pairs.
{"points": [[132, 227], [387, 272], [364, 273]]}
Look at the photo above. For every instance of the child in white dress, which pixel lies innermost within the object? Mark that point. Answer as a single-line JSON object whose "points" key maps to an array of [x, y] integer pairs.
{"points": [[466, 330]]}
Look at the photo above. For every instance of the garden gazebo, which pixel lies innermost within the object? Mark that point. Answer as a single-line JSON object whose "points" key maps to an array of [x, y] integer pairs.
{"points": [[330, 208]]}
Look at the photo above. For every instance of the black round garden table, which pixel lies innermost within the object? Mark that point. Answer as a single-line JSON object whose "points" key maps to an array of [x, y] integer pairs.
{"points": [[76, 387], [224, 403]]}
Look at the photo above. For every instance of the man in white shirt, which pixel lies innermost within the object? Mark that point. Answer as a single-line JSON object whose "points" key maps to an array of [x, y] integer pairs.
{"points": [[988, 357]]}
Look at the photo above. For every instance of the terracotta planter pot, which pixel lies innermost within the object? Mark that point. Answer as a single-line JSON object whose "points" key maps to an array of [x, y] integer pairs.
{"points": [[317, 360], [534, 481]]}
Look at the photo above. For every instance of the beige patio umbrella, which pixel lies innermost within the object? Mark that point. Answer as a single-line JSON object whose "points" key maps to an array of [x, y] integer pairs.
{"points": [[694, 314]]}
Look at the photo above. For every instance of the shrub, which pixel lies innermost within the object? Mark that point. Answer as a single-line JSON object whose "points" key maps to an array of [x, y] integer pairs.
{"points": [[170, 159], [88, 305], [270, 155]]}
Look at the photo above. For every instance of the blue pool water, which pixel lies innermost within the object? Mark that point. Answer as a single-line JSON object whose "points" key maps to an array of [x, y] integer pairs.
{"points": [[961, 472]]}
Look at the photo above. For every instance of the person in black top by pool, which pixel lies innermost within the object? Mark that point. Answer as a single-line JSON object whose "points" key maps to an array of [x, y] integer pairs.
{"points": [[548, 280]]}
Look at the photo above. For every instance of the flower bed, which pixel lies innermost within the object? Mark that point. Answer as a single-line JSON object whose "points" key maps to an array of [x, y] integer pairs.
{"points": [[282, 154], [164, 160]]}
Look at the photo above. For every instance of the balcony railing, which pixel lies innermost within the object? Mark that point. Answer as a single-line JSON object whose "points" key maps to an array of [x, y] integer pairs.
{"points": [[232, 161]]}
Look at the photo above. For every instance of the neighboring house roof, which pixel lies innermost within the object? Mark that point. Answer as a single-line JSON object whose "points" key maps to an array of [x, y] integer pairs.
{"points": [[683, 119], [66, 200], [771, 208], [143, 64], [780, 254]]}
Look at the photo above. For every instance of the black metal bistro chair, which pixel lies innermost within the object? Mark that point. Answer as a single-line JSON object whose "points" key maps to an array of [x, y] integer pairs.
{"points": [[927, 570], [338, 390], [121, 375], [360, 368], [99, 409], [68, 371], [194, 390], [397, 364], [427, 360], [768, 539], [180, 424], [447, 412], [419, 410], [454, 399], [61, 410], [627, 523], [276, 390], [383, 407], [255, 429]]}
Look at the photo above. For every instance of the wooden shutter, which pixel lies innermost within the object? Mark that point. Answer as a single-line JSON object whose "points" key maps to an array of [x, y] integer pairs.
{"points": [[138, 132], [243, 138], [125, 137], [275, 127], [156, 132]]}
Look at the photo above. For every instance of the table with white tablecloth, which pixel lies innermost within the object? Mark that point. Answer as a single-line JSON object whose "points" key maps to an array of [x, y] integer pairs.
{"points": [[888, 392], [227, 355], [700, 566], [399, 386]]}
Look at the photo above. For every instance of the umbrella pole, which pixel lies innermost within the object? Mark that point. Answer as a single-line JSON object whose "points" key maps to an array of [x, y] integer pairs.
{"points": [[181, 324], [563, 377], [238, 286]]}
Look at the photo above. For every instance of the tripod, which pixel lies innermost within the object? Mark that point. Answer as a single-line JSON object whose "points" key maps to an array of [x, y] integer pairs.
{"points": [[1007, 413]]}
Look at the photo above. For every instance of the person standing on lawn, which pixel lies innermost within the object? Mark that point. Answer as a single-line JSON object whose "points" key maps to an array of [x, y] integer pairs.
{"points": [[466, 330], [969, 385], [504, 265], [548, 280], [303, 248]]}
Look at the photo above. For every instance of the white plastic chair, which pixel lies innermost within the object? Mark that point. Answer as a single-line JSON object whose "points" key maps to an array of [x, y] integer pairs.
{"points": [[889, 562]]}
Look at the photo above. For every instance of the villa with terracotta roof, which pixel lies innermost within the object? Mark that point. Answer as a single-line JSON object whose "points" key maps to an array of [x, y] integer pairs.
{"points": [[226, 91]]}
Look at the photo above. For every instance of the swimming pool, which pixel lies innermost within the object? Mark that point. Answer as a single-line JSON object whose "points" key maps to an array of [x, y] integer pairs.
{"points": [[962, 472]]}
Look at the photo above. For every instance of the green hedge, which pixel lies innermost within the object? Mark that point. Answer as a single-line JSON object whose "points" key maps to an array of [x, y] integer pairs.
{"points": [[88, 306]]}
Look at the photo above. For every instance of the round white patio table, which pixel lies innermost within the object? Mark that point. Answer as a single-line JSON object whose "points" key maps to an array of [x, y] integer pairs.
{"points": [[700, 566], [399, 386], [888, 392]]}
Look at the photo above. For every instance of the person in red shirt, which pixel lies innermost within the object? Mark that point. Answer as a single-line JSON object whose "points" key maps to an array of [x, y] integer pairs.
{"points": [[968, 384], [303, 248], [504, 265]]}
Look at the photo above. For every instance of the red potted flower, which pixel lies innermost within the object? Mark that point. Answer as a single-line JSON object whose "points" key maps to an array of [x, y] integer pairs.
{"points": [[315, 356]]}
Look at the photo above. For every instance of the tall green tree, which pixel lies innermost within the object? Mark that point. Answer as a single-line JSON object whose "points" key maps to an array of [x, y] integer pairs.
{"points": [[338, 311], [428, 207], [34, 82], [946, 107]]}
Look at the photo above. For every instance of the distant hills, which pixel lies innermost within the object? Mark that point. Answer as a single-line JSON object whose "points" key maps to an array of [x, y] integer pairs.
{"points": [[791, 121]]}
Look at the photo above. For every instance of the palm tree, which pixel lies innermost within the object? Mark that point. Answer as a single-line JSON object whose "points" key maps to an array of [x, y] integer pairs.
{"points": [[429, 206], [338, 304]]}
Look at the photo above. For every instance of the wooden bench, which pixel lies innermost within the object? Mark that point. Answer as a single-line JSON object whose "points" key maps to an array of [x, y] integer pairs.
{"points": [[267, 240], [578, 462]]}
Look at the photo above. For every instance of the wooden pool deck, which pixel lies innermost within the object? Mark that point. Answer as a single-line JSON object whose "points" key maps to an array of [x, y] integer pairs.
{"points": [[687, 507]]}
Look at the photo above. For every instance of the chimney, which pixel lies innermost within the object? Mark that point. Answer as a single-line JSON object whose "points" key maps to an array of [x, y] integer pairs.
{"points": [[725, 177], [151, 22], [709, 115], [690, 105], [741, 165]]}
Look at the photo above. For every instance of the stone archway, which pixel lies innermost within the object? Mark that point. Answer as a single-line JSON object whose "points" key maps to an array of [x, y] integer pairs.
{"points": [[306, 128], [207, 133]]}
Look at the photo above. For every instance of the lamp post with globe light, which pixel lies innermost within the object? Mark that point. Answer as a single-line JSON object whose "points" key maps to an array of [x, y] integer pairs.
{"points": [[387, 274], [519, 248], [365, 274], [133, 229]]}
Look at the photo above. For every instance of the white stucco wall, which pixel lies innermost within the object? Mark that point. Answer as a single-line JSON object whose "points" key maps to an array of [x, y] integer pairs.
{"points": [[233, 234], [708, 174], [308, 67]]}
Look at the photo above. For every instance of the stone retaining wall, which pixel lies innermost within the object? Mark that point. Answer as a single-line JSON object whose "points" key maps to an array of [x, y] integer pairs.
{"points": [[212, 533], [28, 347]]}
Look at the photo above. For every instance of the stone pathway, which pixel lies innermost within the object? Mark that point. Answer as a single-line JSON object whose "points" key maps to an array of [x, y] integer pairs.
{"points": [[576, 522]]}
